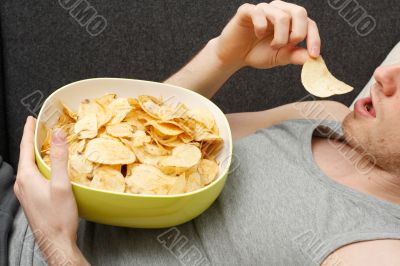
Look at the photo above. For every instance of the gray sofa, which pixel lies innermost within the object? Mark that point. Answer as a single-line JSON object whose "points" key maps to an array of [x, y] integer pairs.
{"points": [[46, 44]]}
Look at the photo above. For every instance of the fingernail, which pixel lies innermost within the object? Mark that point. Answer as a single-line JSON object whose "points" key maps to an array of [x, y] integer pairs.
{"points": [[315, 51], [59, 136]]}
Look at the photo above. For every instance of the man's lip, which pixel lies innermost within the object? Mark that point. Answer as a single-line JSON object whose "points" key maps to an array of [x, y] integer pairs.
{"points": [[374, 97], [373, 103], [359, 107]]}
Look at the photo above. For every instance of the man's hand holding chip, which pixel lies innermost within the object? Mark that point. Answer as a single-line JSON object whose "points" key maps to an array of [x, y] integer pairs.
{"points": [[260, 36], [266, 35]]}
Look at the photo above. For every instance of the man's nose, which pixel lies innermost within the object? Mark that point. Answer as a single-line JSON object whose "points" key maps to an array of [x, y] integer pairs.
{"points": [[389, 78]]}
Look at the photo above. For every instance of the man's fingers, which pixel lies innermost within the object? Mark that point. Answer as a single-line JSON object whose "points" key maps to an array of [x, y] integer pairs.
{"points": [[281, 21], [313, 39], [249, 13], [59, 161], [302, 27], [260, 22], [27, 169], [298, 31], [298, 56], [28, 175], [292, 55], [27, 154]]}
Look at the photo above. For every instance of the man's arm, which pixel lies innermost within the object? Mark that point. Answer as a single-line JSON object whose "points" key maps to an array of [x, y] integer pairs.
{"points": [[259, 36], [205, 74], [243, 124], [367, 253]]}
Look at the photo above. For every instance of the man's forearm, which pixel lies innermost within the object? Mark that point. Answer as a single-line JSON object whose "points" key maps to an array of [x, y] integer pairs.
{"points": [[205, 73]]}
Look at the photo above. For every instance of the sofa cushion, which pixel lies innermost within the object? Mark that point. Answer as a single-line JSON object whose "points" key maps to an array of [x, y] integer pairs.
{"points": [[3, 128]]}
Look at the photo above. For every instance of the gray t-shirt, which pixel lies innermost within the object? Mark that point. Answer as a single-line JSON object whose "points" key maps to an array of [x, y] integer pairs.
{"points": [[277, 208]]}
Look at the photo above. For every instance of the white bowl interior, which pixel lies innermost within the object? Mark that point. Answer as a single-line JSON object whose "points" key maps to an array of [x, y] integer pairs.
{"points": [[72, 94]]}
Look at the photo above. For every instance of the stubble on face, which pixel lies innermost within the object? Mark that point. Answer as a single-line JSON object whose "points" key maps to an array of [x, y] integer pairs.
{"points": [[375, 142]]}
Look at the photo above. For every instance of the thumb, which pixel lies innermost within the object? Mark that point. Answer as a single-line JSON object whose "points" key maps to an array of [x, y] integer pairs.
{"points": [[59, 159], [292, 55]]}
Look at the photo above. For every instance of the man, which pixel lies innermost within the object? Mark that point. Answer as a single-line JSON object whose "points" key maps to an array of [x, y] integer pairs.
{"points": [[304, 193]]}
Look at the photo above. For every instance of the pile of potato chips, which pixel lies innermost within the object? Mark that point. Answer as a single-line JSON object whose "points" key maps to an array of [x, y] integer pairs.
{"points": [[139, 145], [318, 81]]}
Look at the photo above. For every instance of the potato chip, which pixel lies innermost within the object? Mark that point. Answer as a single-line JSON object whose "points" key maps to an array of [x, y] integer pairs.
{"points": [[103, 134], [203, 134], [46, 159], [318, 81], [107, 178], [144, 157], [120, 130], [119, 108], [77, 146], [117, 167], [64, 120], [203, 116], [140, 138], [80, 164], [86, 126], [187, 124], [193, 182], [210, 150], [47, 140], [169, 142], [150, 105], [165, 128], [106, 99], [186, 138], [208, 171], [80, 178], [134, 117], [107, 151], [179, 185], [134, 103], [69, 112], [71, 137], [68, 128], [154, 150], [215, 129], [129, 168], [88, 108], [183, 157], [180, 111], [148, 179], [166, 112], [206, 136]]}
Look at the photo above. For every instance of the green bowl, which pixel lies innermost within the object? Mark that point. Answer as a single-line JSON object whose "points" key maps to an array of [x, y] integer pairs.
{"points": [[129, 210]]}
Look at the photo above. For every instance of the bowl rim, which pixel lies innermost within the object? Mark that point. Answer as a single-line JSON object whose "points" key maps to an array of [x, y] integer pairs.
{"points": [[181, 195]]}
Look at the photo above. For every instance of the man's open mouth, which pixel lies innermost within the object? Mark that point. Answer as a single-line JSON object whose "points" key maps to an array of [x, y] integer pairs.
{"points": [[370, 108], [365, 107]]}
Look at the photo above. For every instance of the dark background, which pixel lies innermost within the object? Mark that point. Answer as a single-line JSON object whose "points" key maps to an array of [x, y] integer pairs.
{"points": [[44, 48]]}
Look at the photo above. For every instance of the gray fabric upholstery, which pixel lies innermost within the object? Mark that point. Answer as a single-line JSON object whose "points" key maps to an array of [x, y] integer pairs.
{"points": [[3, 129], [45, 48]]}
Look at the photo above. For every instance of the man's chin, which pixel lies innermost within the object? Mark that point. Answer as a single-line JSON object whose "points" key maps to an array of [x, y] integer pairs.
{"points": [[354, 130], [348, 123]]}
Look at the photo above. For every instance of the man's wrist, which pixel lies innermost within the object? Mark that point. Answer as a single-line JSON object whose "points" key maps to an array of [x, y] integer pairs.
{"points": [[224, 65], [63, 253], [206, 72]]}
